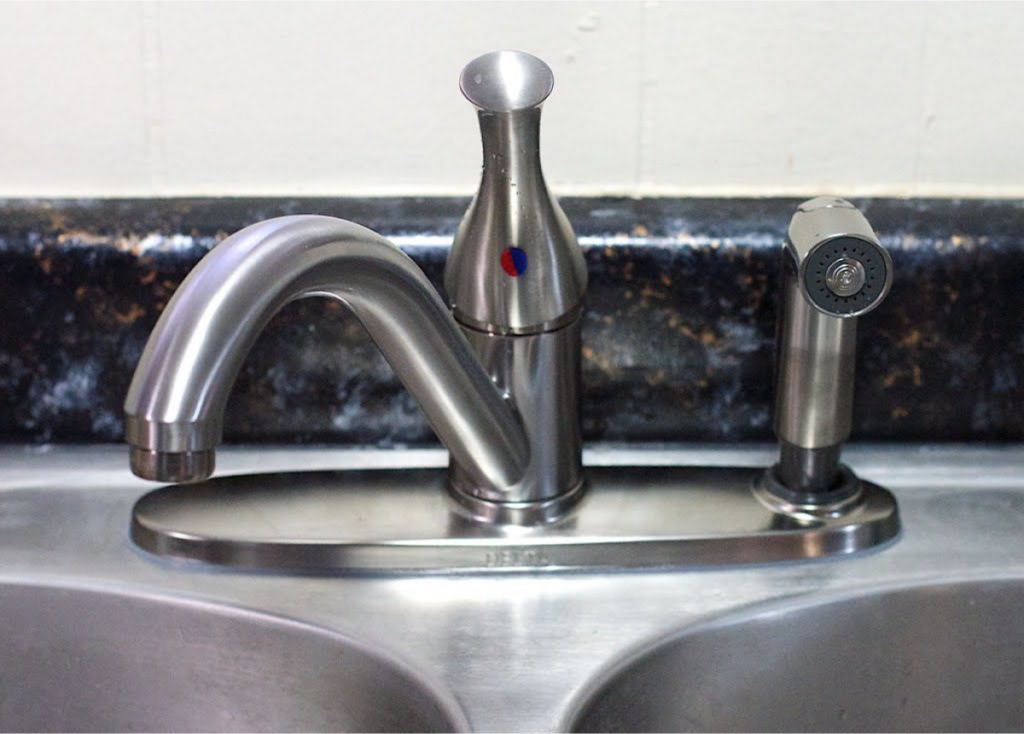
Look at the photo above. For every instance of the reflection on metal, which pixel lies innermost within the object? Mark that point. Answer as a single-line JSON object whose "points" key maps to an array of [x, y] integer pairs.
{"points": [[524, 329], [513, 208], [98, 659], [487, 643], [384, 520], [176, 400], [940, 656]]}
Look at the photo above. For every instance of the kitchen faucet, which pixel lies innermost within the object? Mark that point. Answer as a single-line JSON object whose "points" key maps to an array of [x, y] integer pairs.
{"points": [[497, 376], [497, 373]]}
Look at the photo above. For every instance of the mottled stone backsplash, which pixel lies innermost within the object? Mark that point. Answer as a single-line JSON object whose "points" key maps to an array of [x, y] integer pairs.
{"points": [[678, 333]]}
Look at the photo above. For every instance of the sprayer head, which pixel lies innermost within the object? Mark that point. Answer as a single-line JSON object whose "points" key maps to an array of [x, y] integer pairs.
{"points": [[842, 268]]}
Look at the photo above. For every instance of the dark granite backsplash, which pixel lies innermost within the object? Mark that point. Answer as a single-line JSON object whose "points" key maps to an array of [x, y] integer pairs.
{"points": [[678, 333]]}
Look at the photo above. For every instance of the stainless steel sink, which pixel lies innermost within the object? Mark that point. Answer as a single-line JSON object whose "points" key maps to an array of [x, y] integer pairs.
{"points": [[937, 657], [74, 659], [923, 633]]}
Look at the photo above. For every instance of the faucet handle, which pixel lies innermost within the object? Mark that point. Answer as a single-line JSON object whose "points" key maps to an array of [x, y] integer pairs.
{"points": [[506, 81], [515, 265]]}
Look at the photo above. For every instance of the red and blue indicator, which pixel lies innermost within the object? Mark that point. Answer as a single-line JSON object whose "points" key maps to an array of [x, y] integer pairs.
{"points": [[513, 261]]}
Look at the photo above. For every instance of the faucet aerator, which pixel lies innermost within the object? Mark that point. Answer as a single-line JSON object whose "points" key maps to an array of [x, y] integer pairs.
{"points": [[165, 466]]}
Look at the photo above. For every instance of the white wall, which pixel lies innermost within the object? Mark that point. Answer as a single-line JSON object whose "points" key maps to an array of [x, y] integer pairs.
{"points": [[361, 98]]}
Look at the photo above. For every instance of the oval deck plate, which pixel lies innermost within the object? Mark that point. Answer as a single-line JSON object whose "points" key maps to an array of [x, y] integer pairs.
{"points": [[400, 520]]}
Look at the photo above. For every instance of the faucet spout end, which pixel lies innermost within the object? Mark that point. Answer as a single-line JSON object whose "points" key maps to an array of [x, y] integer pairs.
{"points": [[181, 451], [168, 466]]}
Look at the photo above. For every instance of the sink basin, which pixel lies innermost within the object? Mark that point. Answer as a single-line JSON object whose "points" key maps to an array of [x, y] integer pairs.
{"points": [[925, 658], [92, 660], [924, 634]]}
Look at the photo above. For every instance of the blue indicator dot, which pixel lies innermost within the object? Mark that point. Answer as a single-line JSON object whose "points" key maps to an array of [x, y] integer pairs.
{"points": [[513, 261]]}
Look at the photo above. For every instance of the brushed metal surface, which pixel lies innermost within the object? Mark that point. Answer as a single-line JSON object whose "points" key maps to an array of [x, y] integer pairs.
{"points": [[935, 657], [88, 659], [825, 290], [506, 81], [397, 521], [521, 316], [520, 652], [515, 278], [177, 396], [816, 367], [513, 207], [541, 375]]}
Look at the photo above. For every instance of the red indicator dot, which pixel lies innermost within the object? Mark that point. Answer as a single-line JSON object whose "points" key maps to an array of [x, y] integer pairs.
{"points": [[513, 261]]}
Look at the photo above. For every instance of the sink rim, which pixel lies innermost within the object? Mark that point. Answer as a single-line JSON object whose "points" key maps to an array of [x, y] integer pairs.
{"points": [[447, 702], [86, 538], [584, 696]]}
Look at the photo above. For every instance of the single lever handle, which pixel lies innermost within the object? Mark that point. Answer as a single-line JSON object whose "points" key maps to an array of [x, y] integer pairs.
{"points": [[515, 265], [506, 81], [515, 281]]}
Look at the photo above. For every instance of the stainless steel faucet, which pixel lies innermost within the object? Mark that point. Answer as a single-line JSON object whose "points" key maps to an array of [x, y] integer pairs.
{"points": [[508, 413], [497, 372], [834, 271], [515, 281], [499, 381]]}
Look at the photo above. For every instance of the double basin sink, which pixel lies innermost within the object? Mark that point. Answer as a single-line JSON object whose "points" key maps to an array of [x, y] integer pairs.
{"points": [[925, 633]]}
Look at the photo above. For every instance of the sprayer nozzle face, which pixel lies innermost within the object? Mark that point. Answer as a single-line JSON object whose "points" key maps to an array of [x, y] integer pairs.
{"points": [[846, 276]]}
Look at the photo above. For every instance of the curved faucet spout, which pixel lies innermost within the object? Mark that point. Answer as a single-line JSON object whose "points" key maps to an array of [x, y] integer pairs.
{"points": [[176, 401]]}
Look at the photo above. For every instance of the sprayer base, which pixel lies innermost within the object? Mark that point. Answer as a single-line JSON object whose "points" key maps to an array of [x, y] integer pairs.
{"points": [[840, 492], [182, 466]]}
